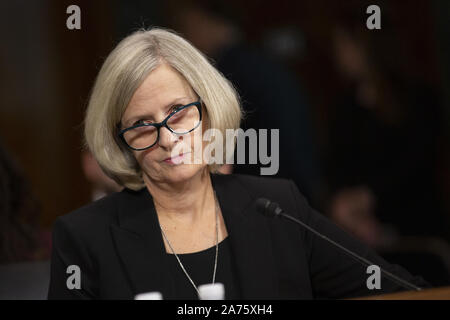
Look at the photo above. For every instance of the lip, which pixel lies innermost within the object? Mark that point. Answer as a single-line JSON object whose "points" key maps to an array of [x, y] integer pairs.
{"points": [[177, 158]]}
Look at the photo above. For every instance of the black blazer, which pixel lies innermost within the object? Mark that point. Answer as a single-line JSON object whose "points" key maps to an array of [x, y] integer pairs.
{"points": [[117, 243]]}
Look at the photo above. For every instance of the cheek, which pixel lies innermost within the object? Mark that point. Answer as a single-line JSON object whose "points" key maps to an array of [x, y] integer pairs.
{"points": [[146, 159]]}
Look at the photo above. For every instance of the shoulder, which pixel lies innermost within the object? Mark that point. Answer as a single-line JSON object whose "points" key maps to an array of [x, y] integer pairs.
{"points": [[253, 182], [261, 183], [95, 216], [275, 189]]}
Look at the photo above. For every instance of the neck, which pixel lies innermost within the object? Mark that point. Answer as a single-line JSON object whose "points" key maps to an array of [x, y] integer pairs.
{"points": [[184, 202]]}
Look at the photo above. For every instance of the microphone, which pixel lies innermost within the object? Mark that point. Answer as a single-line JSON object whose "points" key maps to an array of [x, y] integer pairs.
{"points": [[273, 210]]}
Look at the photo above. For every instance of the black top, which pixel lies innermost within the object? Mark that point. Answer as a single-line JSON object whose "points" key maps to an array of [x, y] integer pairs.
{"points": [[117, 244], [200, 267]]}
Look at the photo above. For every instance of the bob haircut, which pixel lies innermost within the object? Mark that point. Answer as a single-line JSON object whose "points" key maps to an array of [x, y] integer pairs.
{"points": [[124, 70]]}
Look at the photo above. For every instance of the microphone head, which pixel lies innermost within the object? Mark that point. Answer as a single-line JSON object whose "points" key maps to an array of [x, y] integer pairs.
{"points": [[262, 204], [267, 207]]}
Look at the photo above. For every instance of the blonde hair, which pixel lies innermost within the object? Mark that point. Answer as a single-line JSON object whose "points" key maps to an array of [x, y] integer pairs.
{"points": [[126, 67]]}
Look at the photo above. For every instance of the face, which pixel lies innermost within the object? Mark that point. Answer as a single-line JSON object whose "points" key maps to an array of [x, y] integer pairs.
{"points": [[162, 91]]}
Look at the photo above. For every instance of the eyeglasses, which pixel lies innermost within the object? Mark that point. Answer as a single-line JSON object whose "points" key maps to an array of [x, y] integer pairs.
{"points": [[182, 120]]}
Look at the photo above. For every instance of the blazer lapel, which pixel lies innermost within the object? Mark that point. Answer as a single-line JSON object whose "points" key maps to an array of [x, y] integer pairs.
{"points": [[249, 236], [140, 246]]}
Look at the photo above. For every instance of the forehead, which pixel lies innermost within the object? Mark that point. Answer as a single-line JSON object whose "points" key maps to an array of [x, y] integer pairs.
{"points": [[161, 87]]}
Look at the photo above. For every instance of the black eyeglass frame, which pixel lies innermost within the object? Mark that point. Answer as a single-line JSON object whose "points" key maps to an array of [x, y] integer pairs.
{"points": [[161, 124]]}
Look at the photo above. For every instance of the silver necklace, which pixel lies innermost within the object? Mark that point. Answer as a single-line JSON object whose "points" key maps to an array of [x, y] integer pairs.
{"points": [[217, 248]]}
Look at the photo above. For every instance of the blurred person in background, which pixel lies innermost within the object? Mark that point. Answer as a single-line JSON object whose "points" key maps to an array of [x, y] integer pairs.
{"points": [[383, 143], [383, 140], [20, 236], [101, 184], [272, 96], [24, 246]]}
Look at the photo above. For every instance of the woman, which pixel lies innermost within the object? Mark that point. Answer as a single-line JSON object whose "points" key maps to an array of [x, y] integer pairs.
{"points": [[177, 225]]}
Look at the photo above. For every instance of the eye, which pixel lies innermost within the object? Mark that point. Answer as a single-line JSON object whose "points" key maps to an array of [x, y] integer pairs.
{"points": [[142, 121], [175, 108]]}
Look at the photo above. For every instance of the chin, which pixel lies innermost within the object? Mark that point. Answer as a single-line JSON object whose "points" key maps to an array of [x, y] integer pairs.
{"points": [[181, 173]]}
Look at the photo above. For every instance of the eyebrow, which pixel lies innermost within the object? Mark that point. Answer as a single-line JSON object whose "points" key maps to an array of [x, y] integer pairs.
{"points": [[131, 120]]}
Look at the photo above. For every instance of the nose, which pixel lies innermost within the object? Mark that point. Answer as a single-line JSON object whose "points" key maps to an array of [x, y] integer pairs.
{"points": [[167, 139]]}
